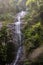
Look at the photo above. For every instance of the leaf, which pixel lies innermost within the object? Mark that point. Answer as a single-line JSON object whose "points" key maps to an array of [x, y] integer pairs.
{"points": [[28, 1]]}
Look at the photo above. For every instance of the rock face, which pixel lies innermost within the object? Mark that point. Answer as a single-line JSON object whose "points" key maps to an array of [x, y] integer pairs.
{"points": [[37, 55], [21, 4]]}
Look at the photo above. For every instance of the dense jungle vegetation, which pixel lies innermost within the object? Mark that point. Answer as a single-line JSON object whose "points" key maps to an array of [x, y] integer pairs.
{"points": [[32, 31]]}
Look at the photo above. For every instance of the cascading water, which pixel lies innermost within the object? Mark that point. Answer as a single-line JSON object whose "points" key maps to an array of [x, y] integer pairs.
{"points": [[17, 29], [18, 34]]}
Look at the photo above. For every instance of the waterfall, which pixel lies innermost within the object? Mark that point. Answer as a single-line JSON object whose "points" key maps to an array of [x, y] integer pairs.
{"points": [[17, 29], [18, 34]]}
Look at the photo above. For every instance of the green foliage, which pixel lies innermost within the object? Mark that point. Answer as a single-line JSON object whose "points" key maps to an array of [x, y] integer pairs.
{"points": [[7, 48], [33, 31], [3, 55], [8, 10], [28, 1], [6, 16], [33, 36], [35, 9]]}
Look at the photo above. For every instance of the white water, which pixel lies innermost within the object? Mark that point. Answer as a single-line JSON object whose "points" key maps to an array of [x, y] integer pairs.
{"points": [[18, 32]]}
